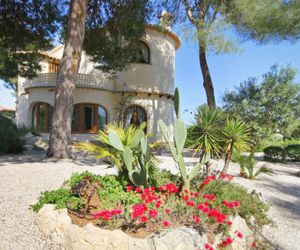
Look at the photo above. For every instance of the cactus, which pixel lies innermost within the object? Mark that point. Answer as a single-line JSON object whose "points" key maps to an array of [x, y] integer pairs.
{"points": [[177, 103], [179, 137]]}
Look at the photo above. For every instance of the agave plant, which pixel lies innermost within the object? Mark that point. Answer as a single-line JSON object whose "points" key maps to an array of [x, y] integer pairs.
{"points": [[236, 135], [127, 149]]}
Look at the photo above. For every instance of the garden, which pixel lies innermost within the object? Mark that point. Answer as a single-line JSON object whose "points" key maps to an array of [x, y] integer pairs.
{"points": [[145, 203]]}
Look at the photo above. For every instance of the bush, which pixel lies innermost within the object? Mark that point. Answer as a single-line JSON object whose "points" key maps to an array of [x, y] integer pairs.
{"points": [[274, 153], [296, 133], [12, 138], [293, 152], [249, 205], [60, 197]]}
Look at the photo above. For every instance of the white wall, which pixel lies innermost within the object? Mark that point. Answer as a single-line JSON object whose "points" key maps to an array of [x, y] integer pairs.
{"points": [[158, 76]]}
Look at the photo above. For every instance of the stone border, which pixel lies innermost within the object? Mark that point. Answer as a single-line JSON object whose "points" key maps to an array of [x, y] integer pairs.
{"points": [[58, 225]]}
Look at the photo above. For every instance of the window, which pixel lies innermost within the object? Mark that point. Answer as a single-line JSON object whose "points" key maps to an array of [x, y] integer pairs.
{"points": [[53, 66], [42, 116], [88, 118], [142, 55], [135, 115]]}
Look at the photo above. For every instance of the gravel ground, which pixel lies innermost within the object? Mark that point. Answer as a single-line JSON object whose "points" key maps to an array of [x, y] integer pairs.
{"points": [[22, 178]]}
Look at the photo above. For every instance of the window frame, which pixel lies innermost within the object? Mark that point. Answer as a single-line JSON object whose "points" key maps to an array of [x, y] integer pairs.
{"points": [[138, 106], [149, 53], [95, 125], [47, 116]]}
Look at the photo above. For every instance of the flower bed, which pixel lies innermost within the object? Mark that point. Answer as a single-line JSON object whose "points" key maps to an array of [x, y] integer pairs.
{"points": [[140, 212]]}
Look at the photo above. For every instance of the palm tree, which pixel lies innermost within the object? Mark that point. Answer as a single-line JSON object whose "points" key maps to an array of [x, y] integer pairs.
{"points": [[236, 135], [112, 145]]}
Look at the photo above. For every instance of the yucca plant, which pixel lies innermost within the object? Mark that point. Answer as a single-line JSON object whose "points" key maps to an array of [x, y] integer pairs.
{"points": [[247, 162], [127, 149], [236, 135], [207, 133]]}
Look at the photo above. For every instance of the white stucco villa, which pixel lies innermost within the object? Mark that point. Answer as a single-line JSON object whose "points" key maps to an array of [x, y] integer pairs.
{"points": [[149, 80]]}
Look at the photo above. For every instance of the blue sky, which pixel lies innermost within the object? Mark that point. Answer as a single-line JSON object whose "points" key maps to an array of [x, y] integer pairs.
{"points": [[226, 70]]}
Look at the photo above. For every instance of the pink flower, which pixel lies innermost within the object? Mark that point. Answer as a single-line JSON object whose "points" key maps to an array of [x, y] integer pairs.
{"points": [[138, 190], [129, 188], [166, 223], [167, 211]]}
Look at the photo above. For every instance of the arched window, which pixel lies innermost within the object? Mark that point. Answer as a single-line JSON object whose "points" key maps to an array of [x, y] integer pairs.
{"points": [[135, 115], [42, 116], [142, 55], [88, 118]]}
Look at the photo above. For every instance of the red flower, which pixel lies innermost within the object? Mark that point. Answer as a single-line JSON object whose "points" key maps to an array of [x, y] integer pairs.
{"points": [[209, 197], [116, 211], [208, 247], [161, 188], [226, 242], [138, 210], [190, 203], [231, 204], [240, 235], [167, 211], [129, 188], [138, 190], [253, 244], [166, 223], [143, 219], [158, 203], [196, 194], [229, 223], [153, 213], [226, 176], [171, 188], [185, 197], [197, 219], [207, 180]]}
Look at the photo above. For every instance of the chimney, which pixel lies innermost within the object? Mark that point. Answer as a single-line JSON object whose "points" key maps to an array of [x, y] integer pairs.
{"points": [[165, 20]]}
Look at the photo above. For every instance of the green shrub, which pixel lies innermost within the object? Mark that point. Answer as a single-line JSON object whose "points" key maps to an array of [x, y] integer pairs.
{"points": [[249, 205], [111, 191], [60, 197], [293, 152], [12, 138], [296, 133], [274, 153]]}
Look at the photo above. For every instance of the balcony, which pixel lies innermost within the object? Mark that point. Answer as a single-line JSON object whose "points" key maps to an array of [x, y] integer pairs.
{"points": [[48, 80]]}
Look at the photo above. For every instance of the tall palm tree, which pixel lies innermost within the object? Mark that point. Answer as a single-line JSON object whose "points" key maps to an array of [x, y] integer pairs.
{"points": [[236, 135]]}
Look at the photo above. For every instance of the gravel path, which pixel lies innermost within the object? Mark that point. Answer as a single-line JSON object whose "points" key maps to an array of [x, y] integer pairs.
{"points": [[22, 178]]}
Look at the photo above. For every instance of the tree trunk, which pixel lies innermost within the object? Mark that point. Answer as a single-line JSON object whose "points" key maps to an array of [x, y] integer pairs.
{"points": [[207, 82], [63, 104], [227, 161]]}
